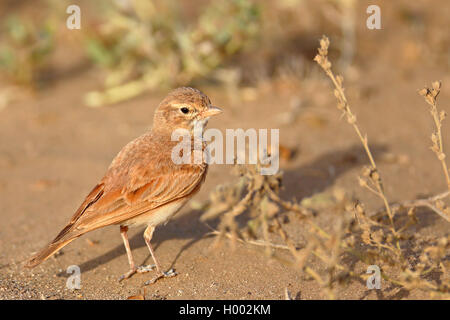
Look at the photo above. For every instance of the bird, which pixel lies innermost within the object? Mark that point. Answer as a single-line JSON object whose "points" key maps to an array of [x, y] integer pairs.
{"points": [[143, 185]]}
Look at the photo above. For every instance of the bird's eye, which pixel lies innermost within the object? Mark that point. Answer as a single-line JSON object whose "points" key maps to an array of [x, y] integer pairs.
{"points": [[184, 110]]}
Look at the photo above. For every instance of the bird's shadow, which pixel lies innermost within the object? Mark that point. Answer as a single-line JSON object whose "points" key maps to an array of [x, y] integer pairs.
{"points": [[187, 226], [300, 182]]}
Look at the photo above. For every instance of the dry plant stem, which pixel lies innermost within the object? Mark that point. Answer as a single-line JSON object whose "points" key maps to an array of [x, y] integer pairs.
{"points": [[429, 203], [237, 210], [244, 241], [242, 205], [430, 95], [311, 272], [315, 249], [441, 147], [286, 204], [286, 239], [317, 277], [435, 209], [323, 61], [380, 240], [297, 209]]}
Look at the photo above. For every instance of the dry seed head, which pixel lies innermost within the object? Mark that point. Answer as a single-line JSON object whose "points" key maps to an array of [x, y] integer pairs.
{"points": [[429, 95], [434, 138], [321, 58], [324, 44], [366, 171], [423, 92], [430, 99], [351, 119], [337, 94], [375, 175], [362, 182], [436, 87], [341, 105], [435, 148], [323, 61]]}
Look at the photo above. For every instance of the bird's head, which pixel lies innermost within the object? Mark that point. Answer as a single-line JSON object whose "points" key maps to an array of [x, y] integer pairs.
{"points": [[184, 108]]}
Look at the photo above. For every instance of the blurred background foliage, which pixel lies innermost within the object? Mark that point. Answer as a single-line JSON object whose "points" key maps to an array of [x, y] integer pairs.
{"points": [[145, 44], [24, 49], [137, 45], [140, 45]]}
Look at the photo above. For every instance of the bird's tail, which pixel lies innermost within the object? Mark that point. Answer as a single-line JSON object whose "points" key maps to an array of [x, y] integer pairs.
{"points": [[63, 239], [46, 253], [71, 231]]}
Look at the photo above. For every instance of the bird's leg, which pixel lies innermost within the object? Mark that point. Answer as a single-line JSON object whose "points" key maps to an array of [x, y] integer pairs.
{"points": [[133, 269], [148, 234]]}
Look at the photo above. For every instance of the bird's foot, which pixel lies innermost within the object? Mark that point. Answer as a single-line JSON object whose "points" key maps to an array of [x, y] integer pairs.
{"points": [[141, 269], [169, 274], [147, 268], [128, 274]]}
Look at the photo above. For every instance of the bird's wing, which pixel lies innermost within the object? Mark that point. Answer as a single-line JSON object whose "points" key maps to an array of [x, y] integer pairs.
{"points": [[144, 191], [91, 198], [142, 177]]}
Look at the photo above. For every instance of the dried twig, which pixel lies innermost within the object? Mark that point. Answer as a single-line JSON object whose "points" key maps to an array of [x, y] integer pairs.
{"points": [[432, 203], [430, 95], [322, 59]]}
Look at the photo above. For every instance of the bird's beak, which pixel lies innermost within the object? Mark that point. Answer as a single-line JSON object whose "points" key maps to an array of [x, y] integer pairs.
{"points": [[211, 111]]}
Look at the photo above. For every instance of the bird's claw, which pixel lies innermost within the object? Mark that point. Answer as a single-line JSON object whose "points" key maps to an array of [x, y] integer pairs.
{"points": [[141, 269], [128, 274], [168, 274], [147, 268]]}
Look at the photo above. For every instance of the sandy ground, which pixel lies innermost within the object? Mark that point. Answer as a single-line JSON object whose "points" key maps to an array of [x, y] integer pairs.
{"points": [[53, 150]]}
